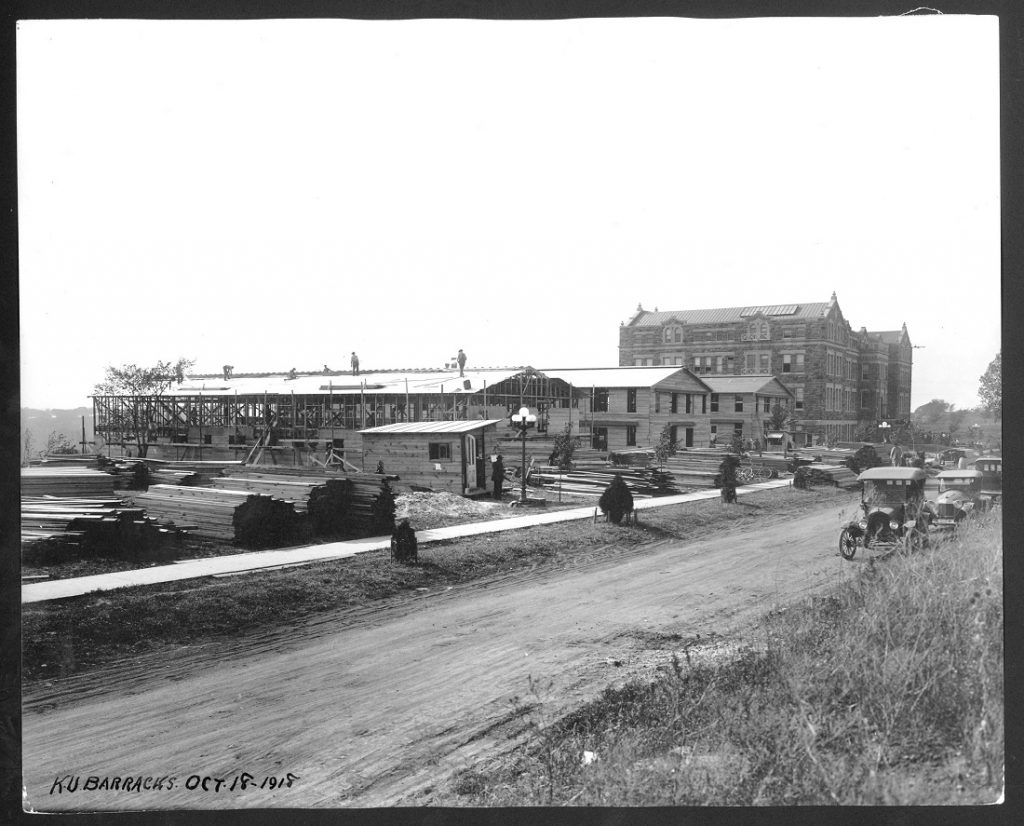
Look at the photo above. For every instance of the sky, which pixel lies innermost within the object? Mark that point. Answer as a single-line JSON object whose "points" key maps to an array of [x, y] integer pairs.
{"points": [[277, 194]]}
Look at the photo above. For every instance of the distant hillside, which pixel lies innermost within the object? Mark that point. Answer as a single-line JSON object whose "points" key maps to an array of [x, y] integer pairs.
{"points": [[41, 423]]}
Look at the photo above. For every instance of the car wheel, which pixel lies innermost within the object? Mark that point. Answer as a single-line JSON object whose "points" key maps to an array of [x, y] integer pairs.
{"points": [[847, 544]]}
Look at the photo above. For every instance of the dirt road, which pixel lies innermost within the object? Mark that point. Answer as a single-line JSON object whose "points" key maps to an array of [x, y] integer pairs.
{"points": [[374, 708]]}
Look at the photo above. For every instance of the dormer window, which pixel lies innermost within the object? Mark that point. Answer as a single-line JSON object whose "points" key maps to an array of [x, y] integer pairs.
{"points": [[674, 334]]}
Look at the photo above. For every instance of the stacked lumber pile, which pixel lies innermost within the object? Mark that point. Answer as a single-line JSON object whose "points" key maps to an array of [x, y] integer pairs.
{"points": [[289, 488], [99, 527], [70, 481], [643, 483], [695, 467], [232, 515], [337, 501], [204, 471], [818, 473], [44, 517]]}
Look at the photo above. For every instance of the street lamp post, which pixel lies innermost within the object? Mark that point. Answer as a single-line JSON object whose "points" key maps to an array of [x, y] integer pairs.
{"points": [[523, 421]]}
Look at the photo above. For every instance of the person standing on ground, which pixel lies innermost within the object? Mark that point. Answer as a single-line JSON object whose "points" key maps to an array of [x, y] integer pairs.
{"points": [[355, 364], [498, 475], [462, 362]]}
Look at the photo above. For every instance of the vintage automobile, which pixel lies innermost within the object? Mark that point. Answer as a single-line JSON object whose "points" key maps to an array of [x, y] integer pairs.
{"points": [[959, 496], [894, 511], [991, 468]]}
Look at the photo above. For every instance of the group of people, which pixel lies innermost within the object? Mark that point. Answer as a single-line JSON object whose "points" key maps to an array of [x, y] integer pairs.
{"points": [[354, 363]]}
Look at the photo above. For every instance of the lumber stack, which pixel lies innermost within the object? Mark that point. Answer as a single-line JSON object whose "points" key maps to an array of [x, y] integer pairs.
{"points": [[592, 480], [337, 501], [818, 473], [296, 490], [232, 515], [204, 471], [69, 481], [99, 527]]}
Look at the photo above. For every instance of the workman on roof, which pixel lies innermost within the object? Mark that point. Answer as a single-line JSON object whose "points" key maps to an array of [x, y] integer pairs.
{"points": [[462, 362], [355, 364]]}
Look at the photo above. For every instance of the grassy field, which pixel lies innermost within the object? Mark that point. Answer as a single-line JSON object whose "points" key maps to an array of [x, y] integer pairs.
{"points": [[75, 635], [887, 691]]}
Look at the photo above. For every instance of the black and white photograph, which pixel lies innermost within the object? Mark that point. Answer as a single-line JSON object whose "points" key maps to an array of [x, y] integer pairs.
{"points": [[471, 413]]}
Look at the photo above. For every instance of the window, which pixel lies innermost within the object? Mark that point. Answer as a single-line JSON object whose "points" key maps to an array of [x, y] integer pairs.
{"points": [[767, 407], [703, 403], [689, 403], [631, 436], [714, 402], [600, 400], [787, 363], [657, 402], [439, 450], [729, 364], [865, 398], [765, 362], [738, 403], [799, 403], [631, 400], [674, 403]]}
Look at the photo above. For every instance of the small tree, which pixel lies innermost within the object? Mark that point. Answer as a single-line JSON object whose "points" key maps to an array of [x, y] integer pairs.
{"points": [[616, 501], [990, 389], [666, 445], [727, 476], [781, 418], [29, 445], [140, 388], [736, 442], [564, 447], [57, 444]]}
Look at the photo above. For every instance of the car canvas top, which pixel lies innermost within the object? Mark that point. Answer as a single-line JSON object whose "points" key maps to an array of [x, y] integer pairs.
{"points": [[912, 474]]}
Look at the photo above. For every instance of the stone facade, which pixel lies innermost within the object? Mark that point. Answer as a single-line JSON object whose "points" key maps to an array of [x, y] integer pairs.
{"points": [[841, 379]]}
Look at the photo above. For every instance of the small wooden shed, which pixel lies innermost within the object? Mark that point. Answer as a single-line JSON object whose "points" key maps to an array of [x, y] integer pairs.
{"points": [[447, 455]]}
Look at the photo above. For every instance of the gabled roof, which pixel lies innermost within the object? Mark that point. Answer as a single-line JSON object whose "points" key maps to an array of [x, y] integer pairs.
{"points": [[583, 377], [720, 315], [458, 426], [763, 384]]}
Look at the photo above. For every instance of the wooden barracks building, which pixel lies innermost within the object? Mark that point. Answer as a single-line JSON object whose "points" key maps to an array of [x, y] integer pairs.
{"points": [[840, 378]]}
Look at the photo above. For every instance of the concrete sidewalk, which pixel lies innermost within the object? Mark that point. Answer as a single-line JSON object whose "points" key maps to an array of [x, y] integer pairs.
{"points": [[289, 557]]}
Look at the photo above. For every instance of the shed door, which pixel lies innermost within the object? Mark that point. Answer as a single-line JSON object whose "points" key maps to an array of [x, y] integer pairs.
{"points": [[473, 463]]}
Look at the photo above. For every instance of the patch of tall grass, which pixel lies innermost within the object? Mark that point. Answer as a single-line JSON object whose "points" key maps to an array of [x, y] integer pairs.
{"points": [[889, 690]]}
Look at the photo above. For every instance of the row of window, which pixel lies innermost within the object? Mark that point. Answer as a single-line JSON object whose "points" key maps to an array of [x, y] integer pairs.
{"points": [[753, 331], [689, 401]]}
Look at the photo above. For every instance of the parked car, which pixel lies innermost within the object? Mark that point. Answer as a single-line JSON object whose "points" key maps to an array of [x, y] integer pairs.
{"points": [[894, 511], [951, 457], [991, 468], [959, 496]]}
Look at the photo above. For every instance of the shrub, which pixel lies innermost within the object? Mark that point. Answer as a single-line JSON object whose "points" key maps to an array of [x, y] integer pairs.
{"points": [[616, 501]]}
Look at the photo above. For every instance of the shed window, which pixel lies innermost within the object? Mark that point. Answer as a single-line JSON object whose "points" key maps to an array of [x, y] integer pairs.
{"points": [[631, 400], [631, 436], [738, 402], [440, 450], [714, 402], [674, 405], [601, 399]]}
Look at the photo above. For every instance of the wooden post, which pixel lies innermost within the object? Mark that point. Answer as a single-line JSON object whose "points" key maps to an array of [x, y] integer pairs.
{"points": [[83, 435], [408, 410], [362, 405]]}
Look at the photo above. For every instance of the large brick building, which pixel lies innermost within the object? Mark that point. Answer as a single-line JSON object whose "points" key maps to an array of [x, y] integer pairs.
{"points": [[841, 379]]}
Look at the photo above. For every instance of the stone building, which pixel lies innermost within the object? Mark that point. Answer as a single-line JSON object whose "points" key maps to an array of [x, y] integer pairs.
{"points": [[841, 379]]}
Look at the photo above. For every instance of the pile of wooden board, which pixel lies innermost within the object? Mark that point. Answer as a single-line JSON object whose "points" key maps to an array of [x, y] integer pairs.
{"points": [[817, 473], [70, 481], [357, 495], [232, 515], [204, 471], [100, 527], [592, 480]]}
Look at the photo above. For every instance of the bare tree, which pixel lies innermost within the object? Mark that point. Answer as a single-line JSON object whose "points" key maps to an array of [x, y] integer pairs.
{"points": [[140, 389]]}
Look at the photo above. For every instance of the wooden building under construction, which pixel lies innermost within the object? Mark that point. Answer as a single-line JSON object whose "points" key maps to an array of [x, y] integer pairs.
{"points": [[323, 419], [316, 418]]}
